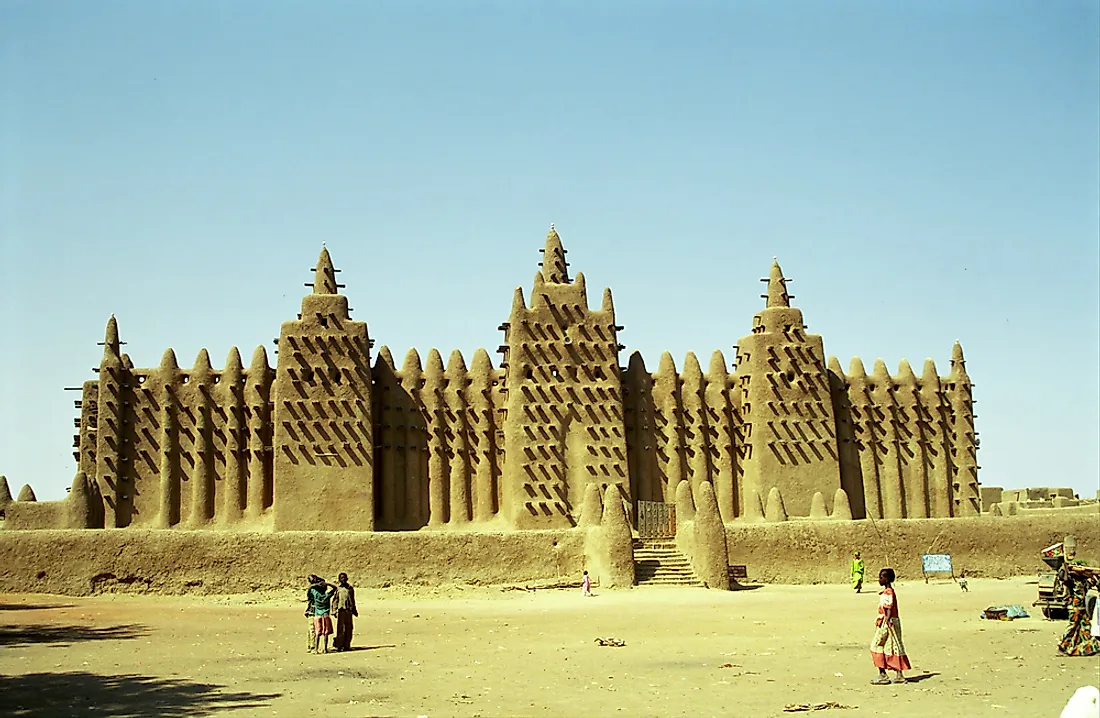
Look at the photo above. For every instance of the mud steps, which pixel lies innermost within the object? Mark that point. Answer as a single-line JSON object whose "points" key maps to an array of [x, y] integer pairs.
{"points": [[658, 563]]}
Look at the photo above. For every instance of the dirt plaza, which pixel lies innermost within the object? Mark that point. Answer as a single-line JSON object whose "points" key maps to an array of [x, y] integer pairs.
{"points": [[467, 651]]}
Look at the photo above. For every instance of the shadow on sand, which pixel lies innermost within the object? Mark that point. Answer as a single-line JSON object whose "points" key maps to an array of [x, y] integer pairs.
{"points": [[32, 606], [32, 634], [918, 679], [38, 695]]}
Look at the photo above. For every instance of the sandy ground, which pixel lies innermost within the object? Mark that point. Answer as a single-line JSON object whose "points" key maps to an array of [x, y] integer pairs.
{"points": [[488, 652]]}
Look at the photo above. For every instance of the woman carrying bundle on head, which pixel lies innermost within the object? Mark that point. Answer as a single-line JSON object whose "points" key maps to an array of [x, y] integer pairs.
{"points": [[1081, 638], [887, 650]]}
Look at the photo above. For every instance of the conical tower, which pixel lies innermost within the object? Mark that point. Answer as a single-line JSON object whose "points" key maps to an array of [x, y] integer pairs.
{"points": [[323, 439], [112, 423], [564, 414], [787, 405]]}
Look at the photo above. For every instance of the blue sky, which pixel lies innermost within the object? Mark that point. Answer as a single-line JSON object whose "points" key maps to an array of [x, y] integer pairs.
{"points": [[923, 171]]}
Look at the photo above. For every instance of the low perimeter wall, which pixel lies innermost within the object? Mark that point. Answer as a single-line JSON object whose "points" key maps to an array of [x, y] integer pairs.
{"points": [[83, 562], [983, 546]]}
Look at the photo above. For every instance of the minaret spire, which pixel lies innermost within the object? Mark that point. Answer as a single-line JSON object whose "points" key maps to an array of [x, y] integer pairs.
{"points": [[958, 362], [554, 267], [324, 279], [777, 287]]}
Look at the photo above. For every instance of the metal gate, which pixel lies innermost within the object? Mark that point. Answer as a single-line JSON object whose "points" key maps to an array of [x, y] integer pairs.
{"points": [[656, 520]]}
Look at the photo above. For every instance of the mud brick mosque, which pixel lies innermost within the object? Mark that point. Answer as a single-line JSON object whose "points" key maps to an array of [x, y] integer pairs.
{"points": [[335, 438]]}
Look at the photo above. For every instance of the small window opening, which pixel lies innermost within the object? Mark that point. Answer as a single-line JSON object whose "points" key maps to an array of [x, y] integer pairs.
{"points": [[324, 321], [307, 375], [528, 373]]}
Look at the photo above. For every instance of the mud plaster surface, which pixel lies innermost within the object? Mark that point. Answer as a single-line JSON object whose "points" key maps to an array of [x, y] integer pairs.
{"points": [[487, 652], [212, 562]]}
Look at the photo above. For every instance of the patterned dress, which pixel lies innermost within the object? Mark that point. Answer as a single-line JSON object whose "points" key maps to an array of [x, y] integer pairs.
{"points": [[1078, 639], [887, 650]]}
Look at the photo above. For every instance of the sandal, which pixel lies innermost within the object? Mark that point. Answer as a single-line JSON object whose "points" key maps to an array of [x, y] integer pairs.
{"points": [[881, 681], [900, 679]]}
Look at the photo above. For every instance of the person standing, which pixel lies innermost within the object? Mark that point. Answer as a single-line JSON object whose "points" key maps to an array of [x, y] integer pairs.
{"points": [[856, 572], [321, 594], [311, 645], [343, 603], [887, 650], [586, 585], [1081, 637]]}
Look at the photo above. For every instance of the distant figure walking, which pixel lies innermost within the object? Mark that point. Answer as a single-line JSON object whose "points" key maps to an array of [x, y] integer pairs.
{"points": [[887, 650], [857, 572], [586, 585], [321, 594], [344, 605], [962, 582]]}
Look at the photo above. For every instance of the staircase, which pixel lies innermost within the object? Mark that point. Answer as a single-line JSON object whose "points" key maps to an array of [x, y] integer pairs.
{"points": [[658, 563]]}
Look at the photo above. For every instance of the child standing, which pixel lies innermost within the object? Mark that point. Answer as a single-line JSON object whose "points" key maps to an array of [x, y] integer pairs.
{"points": [[321, 594], [586, 585], [344, 605], [311, 645]]}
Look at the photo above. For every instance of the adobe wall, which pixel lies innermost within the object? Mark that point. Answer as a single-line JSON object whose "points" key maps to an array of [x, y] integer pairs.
{"points": [[985, 546], [211, 562], [80, 563], [169, 446]]}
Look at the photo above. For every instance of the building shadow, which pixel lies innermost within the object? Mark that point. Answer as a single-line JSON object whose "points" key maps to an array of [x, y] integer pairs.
{"points": [[32, 606], [33, 634], [78, 693]]}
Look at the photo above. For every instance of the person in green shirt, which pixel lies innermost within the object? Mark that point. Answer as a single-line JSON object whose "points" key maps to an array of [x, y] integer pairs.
{"points": [[857, 572], [320, 597]]}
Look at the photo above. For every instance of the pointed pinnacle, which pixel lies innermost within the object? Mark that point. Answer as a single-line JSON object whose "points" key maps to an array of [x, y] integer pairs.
{"points": [[202, 362], [384, 357], [233, 364], [957, 353], [412, 362], [168, 360], [777, 287], [324, 278], [456, 365], [518, 305], [259, 360], [717, 369], [110, 337], [553, 259]]}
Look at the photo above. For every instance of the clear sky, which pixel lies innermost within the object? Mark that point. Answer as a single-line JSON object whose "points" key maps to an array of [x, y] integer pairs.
{"points": [[923, 171]]}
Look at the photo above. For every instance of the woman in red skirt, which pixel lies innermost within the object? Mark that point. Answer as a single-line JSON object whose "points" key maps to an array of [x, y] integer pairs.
{"points": [[887, 650]]}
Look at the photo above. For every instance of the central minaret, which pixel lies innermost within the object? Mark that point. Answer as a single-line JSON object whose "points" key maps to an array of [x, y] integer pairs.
{"points": [[789, 424], [323, 438], [564, 413]]}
